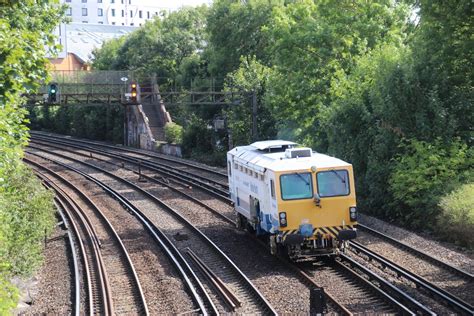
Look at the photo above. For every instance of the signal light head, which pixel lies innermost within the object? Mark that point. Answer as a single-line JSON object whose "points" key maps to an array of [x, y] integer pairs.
{"points": [[134, 85], [134, 94]]}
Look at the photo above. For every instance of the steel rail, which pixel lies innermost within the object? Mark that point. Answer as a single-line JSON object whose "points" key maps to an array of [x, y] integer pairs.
{"points": [[382, 293], [179, 175], [170, 250], [124, 151], [300, 273], [115, 235], [132, 150], [228, 296], [420, 253], [435, 291], [72, 245], [387, 289], [256, 293], [60, 207], [401, 243], [104, 285], [160, 182]]}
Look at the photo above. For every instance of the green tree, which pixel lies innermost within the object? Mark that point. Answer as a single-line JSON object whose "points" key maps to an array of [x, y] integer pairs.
{"points": [[251, 77], [235, 31], [158, 47], [26, 28], [311, 42]]}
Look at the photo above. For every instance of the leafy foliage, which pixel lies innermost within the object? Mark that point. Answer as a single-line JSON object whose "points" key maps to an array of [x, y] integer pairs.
{"points": [[250, 76], [385, 85], [100, 123], [26, 27], [456, 221], [234, 29], [423, 173], [161, 46], [310, 43], [173, 133]]}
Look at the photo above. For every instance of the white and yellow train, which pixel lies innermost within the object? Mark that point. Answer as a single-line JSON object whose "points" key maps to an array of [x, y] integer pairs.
{"points": [[304, 201]]}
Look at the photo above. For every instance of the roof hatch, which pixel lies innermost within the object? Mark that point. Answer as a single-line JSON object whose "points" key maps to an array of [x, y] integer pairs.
{"points": [[298, 152], [273, 144]]}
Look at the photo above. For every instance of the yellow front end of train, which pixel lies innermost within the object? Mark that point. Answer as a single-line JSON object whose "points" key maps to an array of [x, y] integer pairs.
{"points": [[316, 210]]}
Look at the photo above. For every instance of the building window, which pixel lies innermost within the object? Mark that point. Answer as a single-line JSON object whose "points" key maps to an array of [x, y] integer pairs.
{"points": [[112, 1], [100, 22], [68, 0], [69, 11], [131, 24], [148, 14], [85, 22], [113, 23], [131, 13], [123, 13], [100, 12], [112, 12], [84, 1], [140, 14], [84, 11], [123, 23], [129, 1], [99, 1]]}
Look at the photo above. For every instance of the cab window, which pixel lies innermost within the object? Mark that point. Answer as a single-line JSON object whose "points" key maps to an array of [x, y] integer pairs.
{"points": [[296, 186], [333, 183]]}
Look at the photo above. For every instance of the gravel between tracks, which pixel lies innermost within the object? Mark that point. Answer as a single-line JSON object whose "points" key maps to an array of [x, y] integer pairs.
{"points": [[442, 251], [265, 271], [404, 285], [432, 273], [163, 288], [52, 294]]}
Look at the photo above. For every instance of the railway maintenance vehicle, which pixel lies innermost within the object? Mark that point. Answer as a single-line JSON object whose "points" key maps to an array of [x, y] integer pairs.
{"points": [[302, 200]]}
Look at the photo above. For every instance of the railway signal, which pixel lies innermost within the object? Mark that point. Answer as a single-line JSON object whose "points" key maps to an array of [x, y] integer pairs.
{"points": [[134, 92], [53, 93]]}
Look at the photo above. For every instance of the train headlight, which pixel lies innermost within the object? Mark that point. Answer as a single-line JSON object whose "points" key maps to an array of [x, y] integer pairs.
{"points": [[353, 213], [283, 221]]}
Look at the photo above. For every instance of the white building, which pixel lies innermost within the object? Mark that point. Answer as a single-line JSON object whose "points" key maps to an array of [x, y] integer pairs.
{"points": [[113, 12]]}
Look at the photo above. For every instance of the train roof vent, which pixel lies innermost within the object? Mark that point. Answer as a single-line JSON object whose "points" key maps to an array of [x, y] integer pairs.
{"points": [[298, 152]]}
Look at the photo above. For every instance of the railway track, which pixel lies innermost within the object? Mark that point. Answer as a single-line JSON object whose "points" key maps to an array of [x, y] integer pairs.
{"points": [[421, 254], [77, 251], [109, 247], [189, 237], [219, 189], [98, 287], [425, 256], [306, 279], [434, 291], [176, 162]]}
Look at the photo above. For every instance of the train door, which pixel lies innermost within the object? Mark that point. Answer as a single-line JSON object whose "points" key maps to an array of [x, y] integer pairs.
{"points": [[255, 214]]}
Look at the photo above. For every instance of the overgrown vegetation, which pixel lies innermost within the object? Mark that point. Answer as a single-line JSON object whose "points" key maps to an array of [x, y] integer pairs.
{"points": [[456, 221], [385, 85], [26, 209], [173, 133], [103, 123]]}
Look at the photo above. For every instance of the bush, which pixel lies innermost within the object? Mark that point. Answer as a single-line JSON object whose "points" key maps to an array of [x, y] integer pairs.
{"points": [[424, 174], [26, 215], [456, 222], [173, 133]]}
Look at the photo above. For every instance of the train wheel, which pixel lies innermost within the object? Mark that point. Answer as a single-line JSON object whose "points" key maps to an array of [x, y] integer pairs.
{"points": [[282, 251]]}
